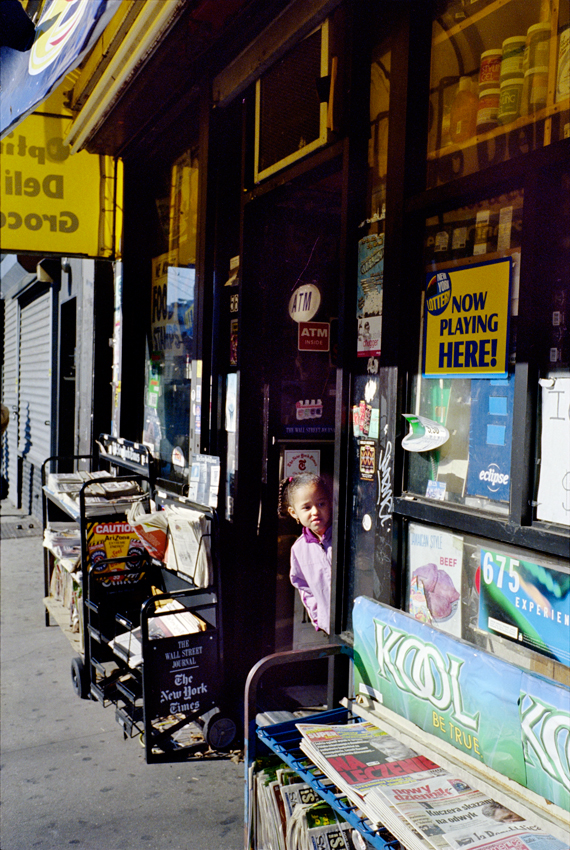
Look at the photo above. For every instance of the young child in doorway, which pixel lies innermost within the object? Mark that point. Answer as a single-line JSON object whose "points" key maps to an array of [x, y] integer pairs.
{"points": [[306, 497]]}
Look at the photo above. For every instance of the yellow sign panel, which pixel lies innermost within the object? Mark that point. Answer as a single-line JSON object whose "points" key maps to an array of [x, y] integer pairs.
{"points": [[51, 202], [467, 321]]}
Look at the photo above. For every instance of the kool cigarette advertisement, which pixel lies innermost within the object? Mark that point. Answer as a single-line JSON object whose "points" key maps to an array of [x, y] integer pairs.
{"points": [[545, 726], [467, 321], [513, 721], [446, 687]]}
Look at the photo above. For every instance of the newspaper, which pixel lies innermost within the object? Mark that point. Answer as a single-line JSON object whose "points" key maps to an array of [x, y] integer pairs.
{"points": [[175, 621], [290, 814], [522, 841], [448, 813], [358, 756], [188, 549], [318, 827], [424, 806]]}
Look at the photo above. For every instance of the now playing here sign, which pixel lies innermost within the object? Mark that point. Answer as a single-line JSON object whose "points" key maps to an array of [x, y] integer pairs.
{"points": [[314, 336], [467, 321]]}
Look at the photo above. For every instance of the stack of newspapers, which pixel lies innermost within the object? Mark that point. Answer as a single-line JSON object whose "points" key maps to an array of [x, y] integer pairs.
{"points": [[290, 815], [424, 806]]}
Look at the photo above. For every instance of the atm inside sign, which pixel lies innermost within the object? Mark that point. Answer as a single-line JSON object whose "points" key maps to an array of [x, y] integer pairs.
{"points": [[314, 336]]}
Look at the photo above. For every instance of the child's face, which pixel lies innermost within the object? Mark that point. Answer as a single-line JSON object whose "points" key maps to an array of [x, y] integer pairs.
{"points": [[312, 507]]}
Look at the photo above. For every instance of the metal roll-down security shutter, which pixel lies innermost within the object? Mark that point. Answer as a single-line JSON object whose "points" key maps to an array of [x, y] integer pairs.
{"points": [[35, 396]]}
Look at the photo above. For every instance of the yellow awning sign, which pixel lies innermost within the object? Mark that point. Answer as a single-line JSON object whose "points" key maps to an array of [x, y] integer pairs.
{"points": [[467, 321], [51, 202]]}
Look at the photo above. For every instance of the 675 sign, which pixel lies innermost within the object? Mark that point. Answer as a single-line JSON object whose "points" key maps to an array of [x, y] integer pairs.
{"points": [[526, 602]]}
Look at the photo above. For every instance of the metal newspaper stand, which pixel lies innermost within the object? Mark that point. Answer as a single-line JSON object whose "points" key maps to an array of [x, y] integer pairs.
{"points": [[151, 639], [181, 677]]}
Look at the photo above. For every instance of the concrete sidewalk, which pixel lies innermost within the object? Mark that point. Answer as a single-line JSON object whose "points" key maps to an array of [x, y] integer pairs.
{"points": [[68, 778]]}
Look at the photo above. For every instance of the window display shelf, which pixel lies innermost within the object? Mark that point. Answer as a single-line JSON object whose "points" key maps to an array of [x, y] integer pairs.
{"points": [[473, 260], [504, 129], [284, 738]]}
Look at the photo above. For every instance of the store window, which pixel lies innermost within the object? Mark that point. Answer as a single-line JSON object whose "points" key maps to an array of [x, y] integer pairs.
{"points": [[511, 602], [291, 113], [500, 83], [460, 415], [171, 344]]}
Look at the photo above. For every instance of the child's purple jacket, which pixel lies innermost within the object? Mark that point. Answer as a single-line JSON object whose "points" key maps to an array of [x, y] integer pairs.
{"points": [[311, 574]]}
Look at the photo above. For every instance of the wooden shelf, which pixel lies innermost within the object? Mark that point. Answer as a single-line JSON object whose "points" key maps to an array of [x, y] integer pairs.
{"points": [[61, 616], [470, 21], [503, 129]]}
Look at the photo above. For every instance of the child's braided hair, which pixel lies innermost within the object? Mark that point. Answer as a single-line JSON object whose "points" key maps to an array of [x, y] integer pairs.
{"points": [[288, 486]]}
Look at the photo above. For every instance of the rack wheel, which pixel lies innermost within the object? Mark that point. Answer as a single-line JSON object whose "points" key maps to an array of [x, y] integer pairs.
{"points": [[79, 678], [219, 731]]}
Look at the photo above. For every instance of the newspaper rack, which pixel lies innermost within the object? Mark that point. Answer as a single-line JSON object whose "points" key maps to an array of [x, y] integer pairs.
{"points": [[284, 739], [149, 640]]}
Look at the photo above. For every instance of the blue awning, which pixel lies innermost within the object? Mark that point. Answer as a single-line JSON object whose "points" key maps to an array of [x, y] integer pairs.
{"points": [[67, 30]]}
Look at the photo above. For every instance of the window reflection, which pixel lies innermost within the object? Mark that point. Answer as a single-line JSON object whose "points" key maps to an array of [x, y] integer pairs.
{"points": [[169, 368]]}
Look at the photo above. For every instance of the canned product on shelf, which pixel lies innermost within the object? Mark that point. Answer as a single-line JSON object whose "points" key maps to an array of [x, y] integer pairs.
{"points": [[537, 88], [512, 56], [488, 110], [510, 99], [490, 69], [538, 37]]}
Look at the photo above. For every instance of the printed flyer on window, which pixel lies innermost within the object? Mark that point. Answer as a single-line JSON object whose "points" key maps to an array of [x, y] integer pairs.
{"points": [[435, 568]]}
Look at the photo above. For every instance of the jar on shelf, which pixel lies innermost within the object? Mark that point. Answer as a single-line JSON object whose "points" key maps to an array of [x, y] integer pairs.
{"points": [[537, 88], [463, 114], [488, 110], [512, 56], [490, 69], [510, 99], [539, 45]]}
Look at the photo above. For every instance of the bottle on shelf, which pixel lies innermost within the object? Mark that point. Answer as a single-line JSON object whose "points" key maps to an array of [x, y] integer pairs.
{"points": [[463, 115]]}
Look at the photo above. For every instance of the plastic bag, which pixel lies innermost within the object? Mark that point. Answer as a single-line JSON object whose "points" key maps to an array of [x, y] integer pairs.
{"points": [[151, 529]]}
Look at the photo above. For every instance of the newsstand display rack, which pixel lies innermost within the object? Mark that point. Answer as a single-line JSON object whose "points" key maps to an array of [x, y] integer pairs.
{"points": [[284, 738], [150, 640]]}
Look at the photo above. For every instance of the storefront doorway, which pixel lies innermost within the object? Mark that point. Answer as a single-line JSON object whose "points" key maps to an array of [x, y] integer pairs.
{"points": [[291, 294]]}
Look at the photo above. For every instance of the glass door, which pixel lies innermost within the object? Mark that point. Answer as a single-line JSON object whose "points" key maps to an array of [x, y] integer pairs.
{"points": [[288, 347]]}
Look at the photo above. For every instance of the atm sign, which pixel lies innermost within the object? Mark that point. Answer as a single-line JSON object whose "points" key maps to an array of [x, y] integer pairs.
{"points": [[314, 336]]}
